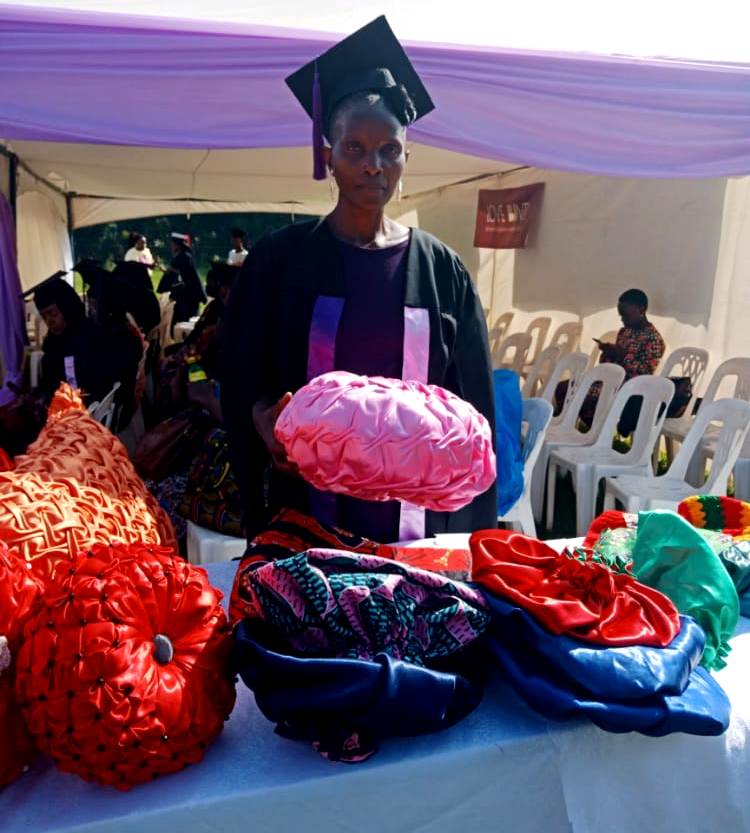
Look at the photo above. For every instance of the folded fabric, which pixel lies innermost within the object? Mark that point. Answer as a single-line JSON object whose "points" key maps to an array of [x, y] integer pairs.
{"points": [[124, 672], [671, 556], [620, 673], [292, 532], [388, 439], [336, 604], [582, 599], [701, 709], [345, 707], [288, 534]]}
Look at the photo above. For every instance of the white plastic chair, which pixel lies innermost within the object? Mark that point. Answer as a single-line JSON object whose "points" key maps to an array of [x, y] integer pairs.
{"points": [[104, 411], [676, 428], [607, 338], [204, 546], [536, 414], [519, 343], [566, 433], [590, 464], [685, 361], [538, 329], [667, 490], [742, 477], [540, 372], [499, 330], [567, 337], [572, 366]]}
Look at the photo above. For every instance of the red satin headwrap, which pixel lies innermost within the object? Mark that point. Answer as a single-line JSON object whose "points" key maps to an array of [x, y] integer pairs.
{"points": [[20, 597], [582, 599], [124, 672]]}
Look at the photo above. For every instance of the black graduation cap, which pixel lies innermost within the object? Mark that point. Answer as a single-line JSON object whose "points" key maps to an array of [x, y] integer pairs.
{"points": [[42, 285], [371, 59]]}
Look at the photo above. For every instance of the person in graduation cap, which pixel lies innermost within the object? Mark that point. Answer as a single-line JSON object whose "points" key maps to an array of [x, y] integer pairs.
{"points": [[76, 349], [181, 279], [354, 291]]}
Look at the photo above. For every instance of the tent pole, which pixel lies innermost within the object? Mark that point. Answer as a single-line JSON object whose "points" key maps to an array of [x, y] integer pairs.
{"points": [[13, 185], [69, 195]]}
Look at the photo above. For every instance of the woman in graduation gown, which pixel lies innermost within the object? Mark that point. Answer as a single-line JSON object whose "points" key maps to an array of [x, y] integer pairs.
{"points": [[182, 281], [353, 291]]}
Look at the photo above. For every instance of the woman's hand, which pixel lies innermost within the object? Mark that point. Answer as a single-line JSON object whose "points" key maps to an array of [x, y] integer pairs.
{"points": [[265, 415]]}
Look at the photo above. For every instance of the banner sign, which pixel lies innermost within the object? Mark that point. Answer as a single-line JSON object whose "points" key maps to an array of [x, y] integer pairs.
{"points": [[504, 216]]}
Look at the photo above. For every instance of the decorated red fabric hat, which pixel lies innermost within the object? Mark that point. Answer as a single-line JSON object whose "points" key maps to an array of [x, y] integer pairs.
{"points": [[579, 598], [610, 519], [20, 597], [76, 487], [123, 674]]}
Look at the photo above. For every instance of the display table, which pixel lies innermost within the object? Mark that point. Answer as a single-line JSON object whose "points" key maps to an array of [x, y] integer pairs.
{"points": [[502, 768]]}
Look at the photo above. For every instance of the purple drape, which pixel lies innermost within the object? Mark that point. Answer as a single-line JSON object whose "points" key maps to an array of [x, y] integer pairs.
{"points": [[12, 316], [92, 77]]}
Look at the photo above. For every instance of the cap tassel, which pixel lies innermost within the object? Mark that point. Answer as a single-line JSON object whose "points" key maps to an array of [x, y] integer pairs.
{"points": [[319, 163]]}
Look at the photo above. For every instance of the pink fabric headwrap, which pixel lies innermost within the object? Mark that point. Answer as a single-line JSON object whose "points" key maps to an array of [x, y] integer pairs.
{"points": [[387, 439]]}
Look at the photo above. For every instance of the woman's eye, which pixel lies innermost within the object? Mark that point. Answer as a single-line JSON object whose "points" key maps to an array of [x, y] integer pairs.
{"points": [[353, 147], [392, 150]]}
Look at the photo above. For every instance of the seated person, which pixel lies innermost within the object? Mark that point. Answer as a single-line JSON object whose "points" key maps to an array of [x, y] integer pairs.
{"points": [[638, 350], [77, 349], [639, 346]]}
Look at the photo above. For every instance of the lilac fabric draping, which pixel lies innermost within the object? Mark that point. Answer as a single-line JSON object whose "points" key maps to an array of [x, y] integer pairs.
{"points": [[93, 77], [12, 317]]}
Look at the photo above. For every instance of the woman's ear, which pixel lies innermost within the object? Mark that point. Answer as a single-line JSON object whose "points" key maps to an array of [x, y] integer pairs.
{"points": [[407, 154]]}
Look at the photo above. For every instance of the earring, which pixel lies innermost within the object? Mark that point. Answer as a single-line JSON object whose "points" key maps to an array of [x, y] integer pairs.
{"points": [[400, 190], [332, 186]]}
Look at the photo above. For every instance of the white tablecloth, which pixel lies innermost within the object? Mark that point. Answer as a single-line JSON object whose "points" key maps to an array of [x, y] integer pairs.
{"points": [[502, 769]]}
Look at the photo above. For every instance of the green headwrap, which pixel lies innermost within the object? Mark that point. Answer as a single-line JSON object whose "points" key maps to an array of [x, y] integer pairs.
{"points": [[672, 556]]}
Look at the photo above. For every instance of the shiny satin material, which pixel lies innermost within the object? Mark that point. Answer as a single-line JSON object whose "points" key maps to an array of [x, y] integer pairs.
{"points": [[386, 439], [622, 673], [610, 519], [581, 599], [75, 487], [702, 709], [94, 695], [319, 697], [20, 597], [672, 556]]}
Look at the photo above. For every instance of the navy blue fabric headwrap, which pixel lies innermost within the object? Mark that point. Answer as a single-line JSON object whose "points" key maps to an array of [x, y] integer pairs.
{"points": [[654, 691], [625, 673], [316, 698]]}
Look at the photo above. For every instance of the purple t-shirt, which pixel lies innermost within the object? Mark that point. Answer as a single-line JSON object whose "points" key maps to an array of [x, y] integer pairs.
{"points": [[370, 341]]}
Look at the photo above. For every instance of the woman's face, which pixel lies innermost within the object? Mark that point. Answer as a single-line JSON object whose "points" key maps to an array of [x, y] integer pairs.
{"points": [[54, 319], [140, 244], [368, 154]]}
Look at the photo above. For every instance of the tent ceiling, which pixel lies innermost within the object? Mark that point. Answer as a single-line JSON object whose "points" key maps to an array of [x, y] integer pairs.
{"points": [[668, 28], [257, 175]]}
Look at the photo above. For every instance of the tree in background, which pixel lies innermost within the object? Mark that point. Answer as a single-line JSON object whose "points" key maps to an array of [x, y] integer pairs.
{"points": [[108, 242]]}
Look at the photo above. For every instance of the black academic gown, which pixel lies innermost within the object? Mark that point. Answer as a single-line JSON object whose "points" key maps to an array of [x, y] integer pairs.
{"points": [[187, 290], [267, 328]]}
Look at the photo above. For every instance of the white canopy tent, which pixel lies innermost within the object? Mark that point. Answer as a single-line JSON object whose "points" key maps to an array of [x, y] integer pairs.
{"points": [[684, 241]]}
